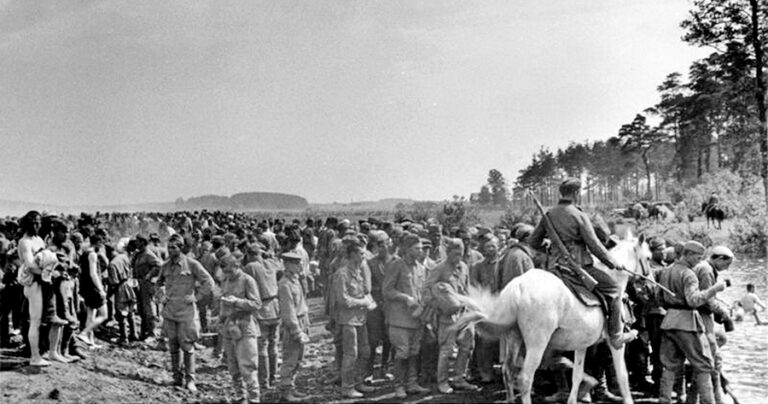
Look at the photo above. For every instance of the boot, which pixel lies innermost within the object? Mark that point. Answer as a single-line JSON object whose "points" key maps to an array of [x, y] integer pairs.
{"points": [[413, 377], [561, 381], [603, 393], [401, 377], [122, 328], [460, 370], [131, 328], [178, 375], [272, 369], [666, 384], [704, 388], [264, 375], [615, 328], [189, 371]]}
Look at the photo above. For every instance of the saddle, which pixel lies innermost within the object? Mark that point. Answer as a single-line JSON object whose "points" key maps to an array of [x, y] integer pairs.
{"points": [[587, 297]]}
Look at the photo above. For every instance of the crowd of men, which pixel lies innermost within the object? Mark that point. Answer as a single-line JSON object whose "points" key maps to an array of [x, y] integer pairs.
{"points": [[389, 290]]}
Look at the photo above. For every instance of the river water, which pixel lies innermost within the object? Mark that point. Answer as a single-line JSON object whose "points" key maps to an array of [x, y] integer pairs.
{"points": [[745, 355]]}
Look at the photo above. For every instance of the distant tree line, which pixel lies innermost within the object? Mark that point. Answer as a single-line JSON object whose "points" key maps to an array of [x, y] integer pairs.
{"points": [[714, 120]]}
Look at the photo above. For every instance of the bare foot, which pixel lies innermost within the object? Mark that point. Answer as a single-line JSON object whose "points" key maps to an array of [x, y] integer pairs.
{"points": [[39, 362], [58, 358], [70, 358]]}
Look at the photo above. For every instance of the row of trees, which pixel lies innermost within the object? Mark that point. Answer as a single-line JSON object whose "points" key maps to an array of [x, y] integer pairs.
{"points": [[716, 119]]}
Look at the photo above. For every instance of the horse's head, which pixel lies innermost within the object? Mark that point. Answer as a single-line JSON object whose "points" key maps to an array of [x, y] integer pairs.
{"points": [[633, 253]]}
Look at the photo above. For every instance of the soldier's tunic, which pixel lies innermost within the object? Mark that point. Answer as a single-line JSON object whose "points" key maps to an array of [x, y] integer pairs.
{"points": [[444, 281], [403, 281], [376, 322], [707, 276], [145, 263], [240, 331], [517, 260], [294, 316], [683, 334], [350, 290]]}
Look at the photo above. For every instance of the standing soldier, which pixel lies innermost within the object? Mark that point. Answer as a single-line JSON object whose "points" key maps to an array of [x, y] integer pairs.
{"points": [[402, 292], [377, 328], [518, 258], [145, 265], [294, 316], [178, 276], [353, 301], [449, 278], [683, 334], [574, 228], [707, 273], [239, 302], [654, 314], [268, 315], [485, 274]]}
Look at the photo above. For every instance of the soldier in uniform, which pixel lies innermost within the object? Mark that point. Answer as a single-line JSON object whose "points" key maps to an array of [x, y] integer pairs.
{"points": [[485, 274], [240, 300], [448, 278], [268, 315], [377, 328], [518, 258], [145, 265], [707, 272], [178, 276], [353, 301], [577, 234], [402, 286], [683, 333], [294, 316], [654, 313]]}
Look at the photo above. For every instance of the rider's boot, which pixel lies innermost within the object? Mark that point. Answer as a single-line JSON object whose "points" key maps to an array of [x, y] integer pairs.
{"points": [[666, 384], [615, 327]]}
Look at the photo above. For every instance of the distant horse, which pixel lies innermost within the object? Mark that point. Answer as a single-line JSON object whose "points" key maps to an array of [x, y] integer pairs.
{"points": [[713, 212], [536, 312], [661, 212], [638, 212]]}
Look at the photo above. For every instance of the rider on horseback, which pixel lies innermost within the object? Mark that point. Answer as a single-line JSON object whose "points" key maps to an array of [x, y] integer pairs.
{"points": [[574, 228]]}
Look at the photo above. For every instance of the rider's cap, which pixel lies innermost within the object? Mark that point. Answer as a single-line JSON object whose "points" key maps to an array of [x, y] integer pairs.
{"points": [[291, 257], [657, 242], [693, 246], [570, 186], [722, 250]]}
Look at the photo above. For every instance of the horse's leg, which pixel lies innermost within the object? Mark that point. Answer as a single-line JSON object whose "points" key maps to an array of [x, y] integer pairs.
{"points": [[511, 365], [620, 367], [533, 354], [577, 374]]}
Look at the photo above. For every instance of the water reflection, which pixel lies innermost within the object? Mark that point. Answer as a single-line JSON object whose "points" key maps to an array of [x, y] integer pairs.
{"points": [[745, 356]]}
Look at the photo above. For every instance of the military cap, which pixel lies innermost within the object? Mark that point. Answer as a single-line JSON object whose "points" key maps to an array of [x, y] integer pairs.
{"points": [[409, 239], [154, 236], [569, 186], [291, 257], [523, 231], [722, 251], [482, 231], [426, 243], [656, 243], [693, 246], [453, 244], [377, 236]]}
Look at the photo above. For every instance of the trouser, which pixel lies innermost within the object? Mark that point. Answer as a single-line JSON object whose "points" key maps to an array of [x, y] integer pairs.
{"points": [[243, 363], [448, 338], [10, 309], [182, 336], [428, 356], [607, 286], [126, 325], [355, 354], [653, 326], [377, 334], [268, 350], [676, 347], [486, 351], [717, 389], [202, 308], [293, 355], [406, 342], [338, 344], [146, 312]]}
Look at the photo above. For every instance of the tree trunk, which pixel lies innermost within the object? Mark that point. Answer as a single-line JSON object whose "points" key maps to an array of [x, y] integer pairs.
{"points": [[760, 96]]}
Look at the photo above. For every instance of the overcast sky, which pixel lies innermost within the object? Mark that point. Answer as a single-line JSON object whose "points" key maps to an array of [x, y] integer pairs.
{"points": [[106, 102]]}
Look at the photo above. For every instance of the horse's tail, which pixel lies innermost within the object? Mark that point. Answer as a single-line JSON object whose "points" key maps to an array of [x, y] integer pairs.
{"points": [[491, 314]]}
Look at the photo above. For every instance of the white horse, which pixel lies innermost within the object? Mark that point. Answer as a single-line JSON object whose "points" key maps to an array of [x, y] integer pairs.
{"points": [[536, 312]]}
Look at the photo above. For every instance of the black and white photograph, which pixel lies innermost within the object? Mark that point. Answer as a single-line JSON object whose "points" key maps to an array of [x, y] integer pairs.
{"points": [[384, 201]]}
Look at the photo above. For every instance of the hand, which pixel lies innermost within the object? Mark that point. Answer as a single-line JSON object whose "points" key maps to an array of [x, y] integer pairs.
{"points": [[103, 294], [228, 299], [720, 286], [302, 338], [411, 302], [372, 305], [189, 299]]}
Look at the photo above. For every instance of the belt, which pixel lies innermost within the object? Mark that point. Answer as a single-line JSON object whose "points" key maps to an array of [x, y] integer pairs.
{"points": [[678, 307], [267, 299]]}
